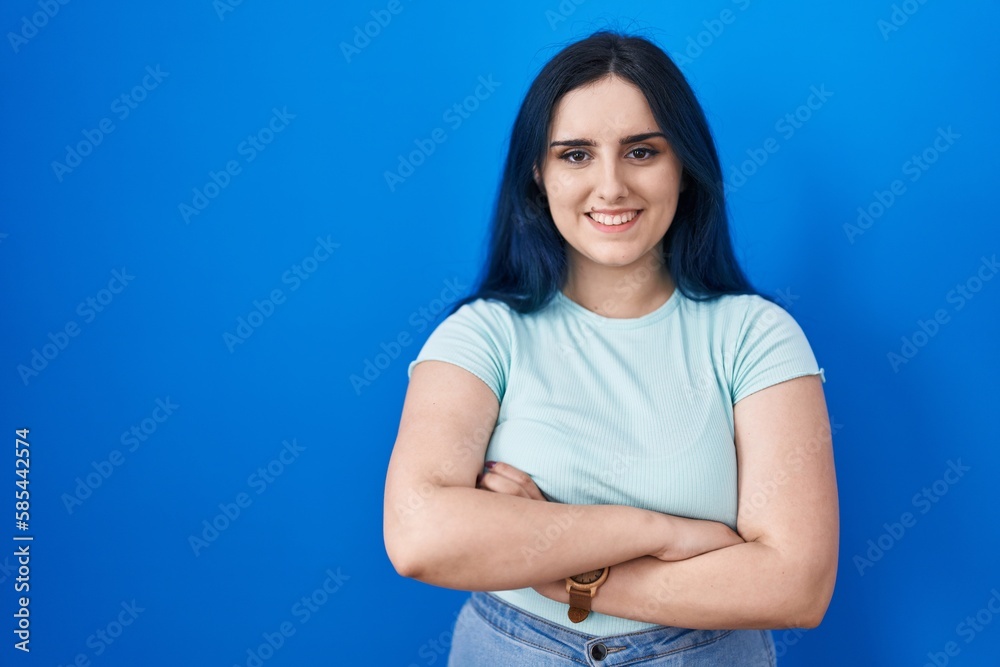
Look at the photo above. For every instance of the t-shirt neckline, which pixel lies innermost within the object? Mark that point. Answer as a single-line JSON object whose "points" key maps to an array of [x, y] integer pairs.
{"points": [[651, 317]]}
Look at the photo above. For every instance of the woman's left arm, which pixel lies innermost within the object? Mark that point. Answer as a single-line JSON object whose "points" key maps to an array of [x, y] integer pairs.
{"points": [[783, 575]]}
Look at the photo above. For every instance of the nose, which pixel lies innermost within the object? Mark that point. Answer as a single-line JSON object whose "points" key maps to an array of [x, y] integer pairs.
{"points": [[611, 184]]}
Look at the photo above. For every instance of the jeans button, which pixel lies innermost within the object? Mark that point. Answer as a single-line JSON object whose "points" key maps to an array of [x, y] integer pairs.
{"points": [[599, 651]]}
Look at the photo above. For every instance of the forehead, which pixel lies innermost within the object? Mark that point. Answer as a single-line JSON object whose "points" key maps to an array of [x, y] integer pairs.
{"points": [[609, 108]]}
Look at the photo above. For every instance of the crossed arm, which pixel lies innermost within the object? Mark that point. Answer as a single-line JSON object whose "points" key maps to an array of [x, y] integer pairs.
{"points": [[443, 528]]}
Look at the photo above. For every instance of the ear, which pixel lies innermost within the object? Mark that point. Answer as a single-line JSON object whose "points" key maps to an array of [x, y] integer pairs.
{"points": [[538, 178]]}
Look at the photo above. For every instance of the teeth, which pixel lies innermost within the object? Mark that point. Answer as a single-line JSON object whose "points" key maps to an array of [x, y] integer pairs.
{"points": [[613, 220]]}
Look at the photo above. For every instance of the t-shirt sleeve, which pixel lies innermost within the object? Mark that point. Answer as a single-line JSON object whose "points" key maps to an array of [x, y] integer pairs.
{"points": [[771, 348], [477, 337]]}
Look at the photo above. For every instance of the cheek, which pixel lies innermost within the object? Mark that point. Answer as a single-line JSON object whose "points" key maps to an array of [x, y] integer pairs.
{"points": [[565, 188], [565, 215], [655, 181], [565, 218], [657, 184]]}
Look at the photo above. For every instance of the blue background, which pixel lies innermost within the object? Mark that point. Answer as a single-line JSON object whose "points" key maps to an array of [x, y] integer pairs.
{"points": [[346, 118]]}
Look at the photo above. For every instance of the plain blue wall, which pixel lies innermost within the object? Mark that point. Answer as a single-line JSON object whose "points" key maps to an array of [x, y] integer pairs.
{"points": [[329, 122]]}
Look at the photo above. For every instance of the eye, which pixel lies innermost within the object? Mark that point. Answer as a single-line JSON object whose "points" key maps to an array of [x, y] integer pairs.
{"points": [[570, 155], [645, 153]]}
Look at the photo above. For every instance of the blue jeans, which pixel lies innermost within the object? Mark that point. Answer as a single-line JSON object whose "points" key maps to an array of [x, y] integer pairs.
{"points": [[489, 632]]}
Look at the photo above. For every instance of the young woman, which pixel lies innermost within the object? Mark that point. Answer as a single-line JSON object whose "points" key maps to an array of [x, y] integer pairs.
{"points": [[618, 445]]}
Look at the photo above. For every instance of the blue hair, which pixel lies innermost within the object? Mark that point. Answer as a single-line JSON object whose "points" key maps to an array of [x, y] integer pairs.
{"points": [[527, 263]]}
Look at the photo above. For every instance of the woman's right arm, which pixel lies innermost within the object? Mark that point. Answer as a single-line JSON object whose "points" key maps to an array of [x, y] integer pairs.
{"points": [[440, 529]]}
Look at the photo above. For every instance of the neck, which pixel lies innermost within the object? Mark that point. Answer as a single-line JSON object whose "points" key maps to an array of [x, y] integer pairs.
{"points": [[620, 291]]}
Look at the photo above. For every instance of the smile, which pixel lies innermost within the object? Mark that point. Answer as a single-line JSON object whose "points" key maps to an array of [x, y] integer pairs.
{"points": [[614, 220]]}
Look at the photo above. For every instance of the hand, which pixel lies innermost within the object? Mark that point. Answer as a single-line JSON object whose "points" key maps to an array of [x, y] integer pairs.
{"points": [[691, 537], [554, 590], [505, 478]]}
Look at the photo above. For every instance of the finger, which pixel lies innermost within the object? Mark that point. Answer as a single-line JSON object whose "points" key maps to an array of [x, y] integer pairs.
{"points": [[519, 477], [500, 484]]}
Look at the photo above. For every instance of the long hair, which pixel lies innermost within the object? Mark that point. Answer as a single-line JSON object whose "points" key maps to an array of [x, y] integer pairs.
{"points": [[527, 257]]}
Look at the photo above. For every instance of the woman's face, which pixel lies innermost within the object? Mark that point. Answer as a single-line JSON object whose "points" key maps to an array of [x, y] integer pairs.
{"points": [[611, 178]]}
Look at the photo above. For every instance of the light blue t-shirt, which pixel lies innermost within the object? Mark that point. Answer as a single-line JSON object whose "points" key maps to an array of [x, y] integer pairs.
{"points": [[625, 411]]}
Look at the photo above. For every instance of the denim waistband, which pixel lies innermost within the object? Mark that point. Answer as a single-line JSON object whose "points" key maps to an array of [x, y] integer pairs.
{"points": [[587, 649]]}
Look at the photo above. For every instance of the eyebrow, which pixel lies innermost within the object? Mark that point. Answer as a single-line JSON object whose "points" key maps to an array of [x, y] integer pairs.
{"points": [[624, 140]]}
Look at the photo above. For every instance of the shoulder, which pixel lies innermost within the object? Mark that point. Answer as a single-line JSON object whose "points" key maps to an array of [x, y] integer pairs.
{"points": [[479, 319], [487, 306], [759, 322], [729, 303], [477, 336], [733, 314], [741, 312], [767, 347], [484, 313]]}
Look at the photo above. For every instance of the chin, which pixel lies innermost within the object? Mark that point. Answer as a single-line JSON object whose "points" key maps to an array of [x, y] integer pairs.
{"points": [[615, 262]]}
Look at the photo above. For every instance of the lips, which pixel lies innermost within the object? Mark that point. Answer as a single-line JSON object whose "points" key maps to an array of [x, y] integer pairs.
{"points": [[618, 218]]}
